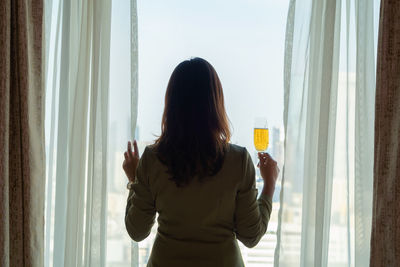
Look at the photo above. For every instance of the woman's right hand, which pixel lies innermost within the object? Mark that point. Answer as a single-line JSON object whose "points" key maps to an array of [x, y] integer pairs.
{"points": [[269, 172]]}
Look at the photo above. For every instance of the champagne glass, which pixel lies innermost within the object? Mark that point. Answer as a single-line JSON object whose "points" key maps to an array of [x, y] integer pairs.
{"points": [[261, 134]]}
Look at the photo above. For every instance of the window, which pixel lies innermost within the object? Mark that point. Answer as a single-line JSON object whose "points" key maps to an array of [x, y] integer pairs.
{"points": [[244, 41]]}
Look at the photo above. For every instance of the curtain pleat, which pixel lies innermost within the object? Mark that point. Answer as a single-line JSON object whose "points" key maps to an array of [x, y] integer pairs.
{"points": [[385, 239], [364, 130], [51, 81], [22, 157], [134, 100], [61, 127], [96, 222]]}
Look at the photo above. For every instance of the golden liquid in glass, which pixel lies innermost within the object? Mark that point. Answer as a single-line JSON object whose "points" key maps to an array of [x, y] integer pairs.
{"points": [[261, 138]]}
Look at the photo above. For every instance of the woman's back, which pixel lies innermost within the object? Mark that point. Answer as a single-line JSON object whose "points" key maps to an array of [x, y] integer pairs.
{"points": [[198, 223]]}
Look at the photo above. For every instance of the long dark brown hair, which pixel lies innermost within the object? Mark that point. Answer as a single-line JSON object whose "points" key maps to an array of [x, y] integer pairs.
{"points": [[195, 128]]}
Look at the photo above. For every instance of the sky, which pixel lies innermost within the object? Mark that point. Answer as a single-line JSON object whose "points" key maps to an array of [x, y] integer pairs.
{"points": [[242, 39]]}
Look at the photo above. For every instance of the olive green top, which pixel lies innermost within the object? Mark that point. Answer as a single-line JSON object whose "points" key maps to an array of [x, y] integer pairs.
{"points": [[199, 224]]}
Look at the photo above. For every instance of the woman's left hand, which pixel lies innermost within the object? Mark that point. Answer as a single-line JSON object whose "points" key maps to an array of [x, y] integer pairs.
{"points": [[131, 160]]}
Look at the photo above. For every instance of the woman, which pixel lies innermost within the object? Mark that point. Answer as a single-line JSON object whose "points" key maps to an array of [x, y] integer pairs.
{"points": [[202, 187]]}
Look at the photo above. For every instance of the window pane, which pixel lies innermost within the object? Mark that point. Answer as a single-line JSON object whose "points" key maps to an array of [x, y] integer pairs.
{"points": [[244, 41], [118, 240]]}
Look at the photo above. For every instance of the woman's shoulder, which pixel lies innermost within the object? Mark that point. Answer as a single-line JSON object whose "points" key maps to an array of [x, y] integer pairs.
{"points": [[236, 150], [148, 157], [149, 151]]}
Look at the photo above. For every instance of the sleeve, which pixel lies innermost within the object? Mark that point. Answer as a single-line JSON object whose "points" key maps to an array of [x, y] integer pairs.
{"points": [[251, 214], [140, 210]]}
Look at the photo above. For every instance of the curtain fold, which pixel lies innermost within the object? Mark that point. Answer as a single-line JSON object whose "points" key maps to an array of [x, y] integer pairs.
{"points": [[364, 129], [325, 211], [78, 81], [22, 157], [385, 239], [134, 99]]}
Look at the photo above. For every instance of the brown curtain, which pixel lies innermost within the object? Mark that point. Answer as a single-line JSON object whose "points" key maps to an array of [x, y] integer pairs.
{"points": [[22, 169], [385, 238]]}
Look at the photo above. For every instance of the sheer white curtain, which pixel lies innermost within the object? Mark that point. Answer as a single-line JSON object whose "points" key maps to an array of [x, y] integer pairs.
{"points": [[77, 130], [134, 100], [326, 197]]}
